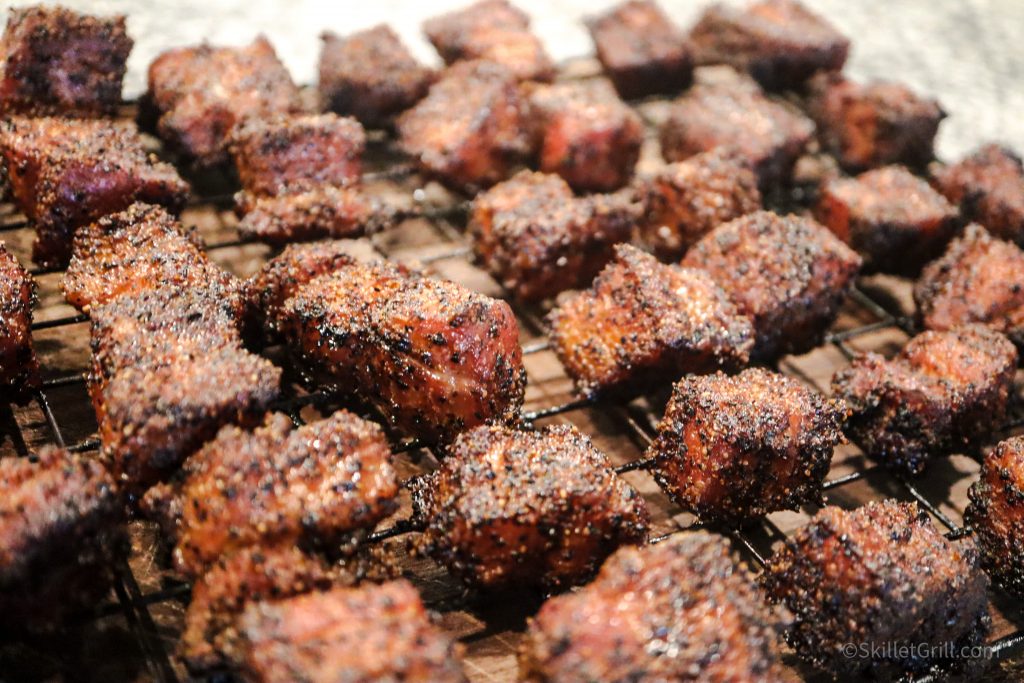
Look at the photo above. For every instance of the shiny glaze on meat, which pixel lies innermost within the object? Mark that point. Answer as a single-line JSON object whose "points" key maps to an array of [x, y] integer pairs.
{"points": [[19, 368], [996, 514]]}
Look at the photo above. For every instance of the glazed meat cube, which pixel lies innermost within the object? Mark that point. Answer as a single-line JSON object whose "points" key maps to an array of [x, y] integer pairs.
{"points": [[892, 218], [472, 129], [373, 633], [56, 61], [646, 618], [789, 274], [61, 533], [977, 280], [513, 508], [537, 239], [314, 213], [641, 50], [780, 43], [643, 323], [989, 188], [66, 173], [943, 391], [19, 368], [493, 30], [994, 514], [732, 449], [879, 575], [766, 135], [684, 201], [198, 94], [370, 75], [432, 357]]}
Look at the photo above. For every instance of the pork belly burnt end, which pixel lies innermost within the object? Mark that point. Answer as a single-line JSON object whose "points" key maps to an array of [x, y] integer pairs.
{"points": [[493, 30], [789, 274], [892, 218], [371, 633], [643, 323], [371, 75], [19, 368], [431, 356], [56, 61], [537, 239], [641, 50], [659, 594], [198, 94], [61, 534], [472, 129], [996, 514], [66, 173], [780, 43], [988, 185], [319, 212], [942, 392], [512, 508], [874, 576], [684, 201]]}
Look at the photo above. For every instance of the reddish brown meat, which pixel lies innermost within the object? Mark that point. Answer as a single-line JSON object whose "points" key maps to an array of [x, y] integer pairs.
{"points": [[988, 185], [996, 514], [309, 214], [19, 368]]}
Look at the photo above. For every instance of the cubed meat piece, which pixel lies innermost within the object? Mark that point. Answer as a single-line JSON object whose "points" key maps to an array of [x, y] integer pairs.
{"points": [[996, 514], [371, 75], [19, 368], [56, 61], [989, 188], [324, 211], [944, 391], [892, 218], [643, 323], [641, 50], [780, 43], [789, 274]]}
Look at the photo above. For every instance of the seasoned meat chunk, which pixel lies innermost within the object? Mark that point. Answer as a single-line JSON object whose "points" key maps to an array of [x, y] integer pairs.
{"points": [[309, 214], [780, 43], [641, 50], [372, 633], [472, 129], [66, 173], [684, 201], [371, 75], [995, 514], [512, 508], [537, 239], [198, 94], [19, 368], [61, 533], [789, 274], [56, 61], [943, 391], [494, 30], [732, 449], [989, 188], [643, 323], [647, 617], [767, 135], [431, 356], [879, 575], [892, 218]]}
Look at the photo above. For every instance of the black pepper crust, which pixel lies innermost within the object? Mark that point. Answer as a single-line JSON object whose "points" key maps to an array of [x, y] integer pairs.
{"points": [[988, 185], [878, 575], [996, 514], [19, 367]]}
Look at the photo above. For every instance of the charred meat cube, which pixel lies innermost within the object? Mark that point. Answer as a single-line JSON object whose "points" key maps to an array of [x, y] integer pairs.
{"points": [[66, 173], [472, 129], [56, 61], [995, 514], [879, 575], [765, 134], [789, 274], [646, 618], [370, 75], [943, 391], [61, 533], [643, 323], [537, 239], [371, 633], [989, 188], [780, 43], [732, 449], [19, 368], [641, 50], [309, 214], [493, 30], [198, 94], [892, 218], [514, 508], [684, 201]]}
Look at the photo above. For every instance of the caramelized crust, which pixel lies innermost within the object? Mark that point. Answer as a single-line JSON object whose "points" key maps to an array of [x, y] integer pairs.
{"points": [[309, 214], [19, 368], [989, 188], [996, 514]]}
